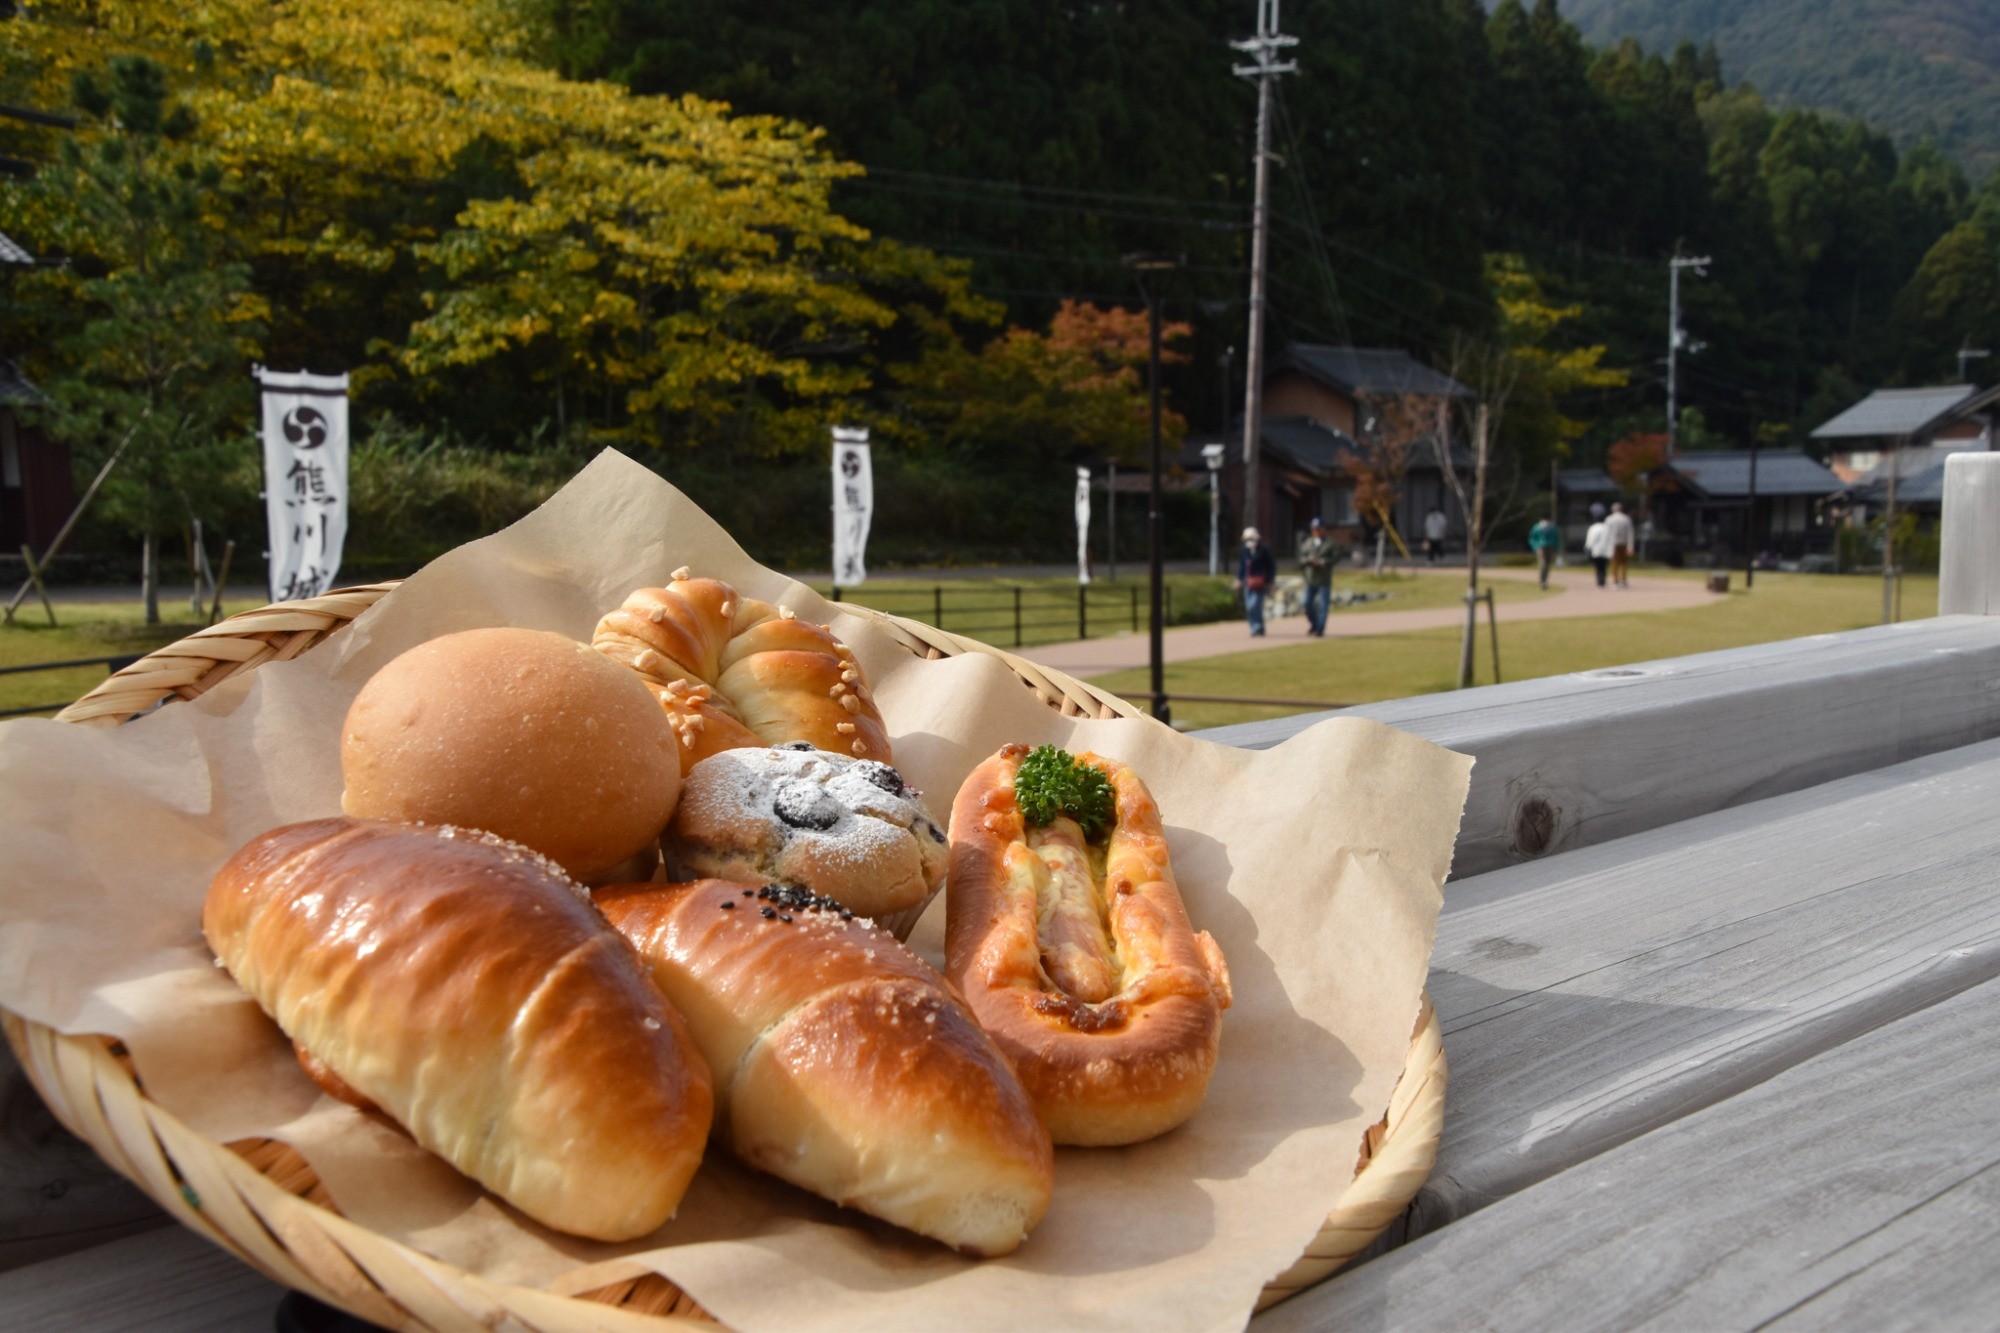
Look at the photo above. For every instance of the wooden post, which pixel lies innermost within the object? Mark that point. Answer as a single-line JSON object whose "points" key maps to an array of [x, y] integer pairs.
{"points": [[1969, 559], [35, 579], [221, 581], [1493, 628], [1889, 536]]}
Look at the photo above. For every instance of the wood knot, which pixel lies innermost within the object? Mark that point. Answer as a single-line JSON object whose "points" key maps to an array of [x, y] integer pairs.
{"points": [[1535, 826]]}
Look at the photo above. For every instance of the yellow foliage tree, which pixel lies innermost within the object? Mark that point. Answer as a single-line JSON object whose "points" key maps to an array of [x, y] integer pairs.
{"points": [[660, 259], [1544, 371]]}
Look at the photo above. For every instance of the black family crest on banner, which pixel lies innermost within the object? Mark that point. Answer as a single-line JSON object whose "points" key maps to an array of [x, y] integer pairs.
{"points": [[305, 479], [853, 504]]}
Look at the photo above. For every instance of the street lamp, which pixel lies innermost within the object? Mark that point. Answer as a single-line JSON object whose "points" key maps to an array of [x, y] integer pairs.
{"points": [[1211, 454], [1142, 265]]}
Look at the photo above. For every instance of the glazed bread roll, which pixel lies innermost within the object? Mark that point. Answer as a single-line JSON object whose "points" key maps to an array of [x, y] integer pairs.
{"points": [[847, 829], [843, 1064], [520, 732], [730, 671], [465, 988], [1076, 954]]}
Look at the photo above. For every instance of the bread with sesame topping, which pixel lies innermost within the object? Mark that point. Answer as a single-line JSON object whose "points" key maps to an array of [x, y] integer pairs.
{"points": [[732, 671], [467, 989], [843, 1063], [848, 829], [521, 732], [1076, 951]]}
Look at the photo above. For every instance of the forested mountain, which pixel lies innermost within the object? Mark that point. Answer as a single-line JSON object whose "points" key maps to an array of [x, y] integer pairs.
{"points": [[1912, 69], [1044, 141], [665, 225]]}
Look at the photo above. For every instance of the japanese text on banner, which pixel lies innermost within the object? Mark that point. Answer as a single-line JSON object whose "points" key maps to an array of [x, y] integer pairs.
{"points": [[305, 479], [853, 504]]}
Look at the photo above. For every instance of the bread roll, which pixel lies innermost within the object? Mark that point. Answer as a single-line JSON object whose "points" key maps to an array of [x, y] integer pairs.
{"points": [[731, 671], [844, 1064], [847, 829], [462, 986], [520, 732], [1091, 979]]}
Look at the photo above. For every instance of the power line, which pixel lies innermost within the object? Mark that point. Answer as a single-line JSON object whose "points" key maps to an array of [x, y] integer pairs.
{"points": [[1004, 186]]}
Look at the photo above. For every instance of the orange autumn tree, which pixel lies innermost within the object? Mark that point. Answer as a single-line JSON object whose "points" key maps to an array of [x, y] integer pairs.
{"points": [[1635, 463], [1032, 400], [1401, 426]]}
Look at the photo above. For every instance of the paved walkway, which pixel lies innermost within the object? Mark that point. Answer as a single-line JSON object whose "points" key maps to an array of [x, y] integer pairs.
{"points": [[1579, 596]]}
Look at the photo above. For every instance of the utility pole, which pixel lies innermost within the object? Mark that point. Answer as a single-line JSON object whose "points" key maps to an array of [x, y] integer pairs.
{"points": [[1969, 353], [1144, 265], [1264, 49], [1676, 336]]}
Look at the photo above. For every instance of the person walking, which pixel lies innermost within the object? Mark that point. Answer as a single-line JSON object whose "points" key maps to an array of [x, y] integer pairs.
{"points": [[1256, 571], [1436, 525], [1545, 539], [1597, 545], [1316, 557], [1618, 529]]}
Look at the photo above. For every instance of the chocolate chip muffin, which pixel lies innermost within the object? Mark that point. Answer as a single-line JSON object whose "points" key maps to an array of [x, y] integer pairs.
{"points": [[847, 829]]}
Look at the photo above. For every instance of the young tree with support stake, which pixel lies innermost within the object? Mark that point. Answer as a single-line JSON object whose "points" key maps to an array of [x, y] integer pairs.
{"points": [[1487, 478]]}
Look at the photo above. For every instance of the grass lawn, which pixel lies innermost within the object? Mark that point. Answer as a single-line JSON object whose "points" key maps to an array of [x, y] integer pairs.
{"points": [[984, 608], [1392, 666], [85, 629]]}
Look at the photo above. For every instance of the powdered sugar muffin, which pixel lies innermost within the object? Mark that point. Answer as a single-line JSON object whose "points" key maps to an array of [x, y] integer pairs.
{"points": [[844, 828]]}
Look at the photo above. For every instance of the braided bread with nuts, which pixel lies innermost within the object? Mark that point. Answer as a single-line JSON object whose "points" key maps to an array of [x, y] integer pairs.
{"points": [[732, 671]]}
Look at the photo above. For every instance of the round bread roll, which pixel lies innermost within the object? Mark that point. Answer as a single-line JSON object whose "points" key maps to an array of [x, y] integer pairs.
{"points": [[519, 732], [847, 829]]}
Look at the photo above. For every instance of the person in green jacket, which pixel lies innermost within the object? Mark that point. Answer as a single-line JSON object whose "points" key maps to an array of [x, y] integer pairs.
{"points": [[1316, 557], [1545, 539]]}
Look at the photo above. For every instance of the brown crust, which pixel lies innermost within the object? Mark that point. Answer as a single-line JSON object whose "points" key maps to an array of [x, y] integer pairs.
{"points": [[733, 671], [843, 1063], [523, 733], [1120, 1071], [465, 988]]}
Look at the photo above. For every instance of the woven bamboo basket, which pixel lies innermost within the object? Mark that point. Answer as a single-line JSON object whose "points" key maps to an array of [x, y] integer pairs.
{"points": [[260, 1201]]}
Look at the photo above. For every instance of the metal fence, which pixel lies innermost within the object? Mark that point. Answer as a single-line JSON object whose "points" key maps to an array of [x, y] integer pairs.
{"points": [[113, 665], [1017, 615]]}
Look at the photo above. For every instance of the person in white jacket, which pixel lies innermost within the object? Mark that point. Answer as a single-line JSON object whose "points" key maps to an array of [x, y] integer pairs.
{"points": [[1597, 545]]}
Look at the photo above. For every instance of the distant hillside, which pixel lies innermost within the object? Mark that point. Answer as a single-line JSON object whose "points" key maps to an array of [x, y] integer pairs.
{"points": [[1907, 68]]}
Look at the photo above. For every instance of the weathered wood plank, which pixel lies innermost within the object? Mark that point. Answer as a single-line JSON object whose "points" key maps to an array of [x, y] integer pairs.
{"points": [[1969, 536], [56, 1195], [1572, 761], [1858, 1190], [1594, 996], [166, 1281]]}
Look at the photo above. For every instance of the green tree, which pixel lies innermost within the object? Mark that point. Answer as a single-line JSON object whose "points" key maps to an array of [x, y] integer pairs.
{"points": [[156, 362], [1951, 301]]}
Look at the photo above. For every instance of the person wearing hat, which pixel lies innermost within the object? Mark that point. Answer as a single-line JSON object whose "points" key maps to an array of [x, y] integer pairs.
{"points": [[1316, 557], [1256, 571]]}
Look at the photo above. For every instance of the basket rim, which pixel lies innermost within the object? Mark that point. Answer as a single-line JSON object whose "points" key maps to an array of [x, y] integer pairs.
{"points": [[317, 1250]]}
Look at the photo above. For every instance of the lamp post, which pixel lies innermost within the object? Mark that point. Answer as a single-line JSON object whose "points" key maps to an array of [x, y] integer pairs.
{"points": [[1141, 265], [1211, 454]]}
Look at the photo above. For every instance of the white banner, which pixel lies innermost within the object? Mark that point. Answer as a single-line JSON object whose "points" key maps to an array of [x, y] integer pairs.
{"points": [[1083, 525], [853, 505], [305, 479]]}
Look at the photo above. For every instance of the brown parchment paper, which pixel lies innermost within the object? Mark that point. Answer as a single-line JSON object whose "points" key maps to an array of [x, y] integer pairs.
{"points": [[1316, 865]]}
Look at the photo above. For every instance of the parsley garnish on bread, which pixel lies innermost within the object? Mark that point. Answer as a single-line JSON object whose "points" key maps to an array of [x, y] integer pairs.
{"points": [[1051, 782]]}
